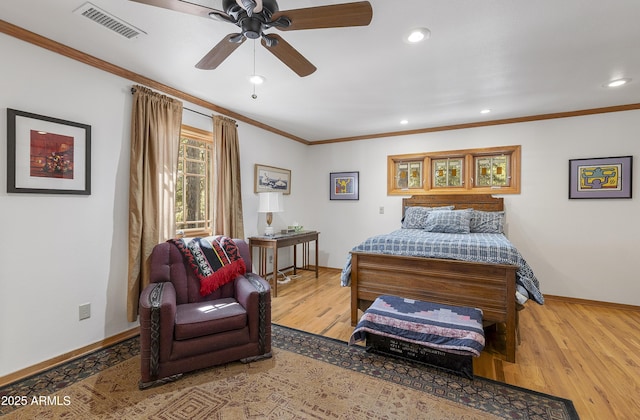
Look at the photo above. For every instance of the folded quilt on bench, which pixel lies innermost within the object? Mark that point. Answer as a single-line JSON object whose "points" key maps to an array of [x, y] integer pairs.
{"points": [[452, 329]]}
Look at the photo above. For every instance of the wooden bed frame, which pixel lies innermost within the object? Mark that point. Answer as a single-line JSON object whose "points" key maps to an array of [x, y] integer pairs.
{"points": [[490, 287]]}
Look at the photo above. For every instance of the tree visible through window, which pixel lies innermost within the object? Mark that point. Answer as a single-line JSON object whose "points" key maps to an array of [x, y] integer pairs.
{"points": [[193, 184]]}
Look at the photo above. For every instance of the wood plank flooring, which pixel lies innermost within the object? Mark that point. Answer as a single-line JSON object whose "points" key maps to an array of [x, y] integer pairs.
{"points": [[584, 352]]}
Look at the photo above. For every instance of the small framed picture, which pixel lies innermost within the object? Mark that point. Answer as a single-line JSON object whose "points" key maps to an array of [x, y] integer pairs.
{"points": [[270, 179], [47, 155], [600, 177], [343, 185]]}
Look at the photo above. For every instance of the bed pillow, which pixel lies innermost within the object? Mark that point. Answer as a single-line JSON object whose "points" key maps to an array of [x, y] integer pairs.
{"points": [[487, 222], [416, 217], [453, 221]]}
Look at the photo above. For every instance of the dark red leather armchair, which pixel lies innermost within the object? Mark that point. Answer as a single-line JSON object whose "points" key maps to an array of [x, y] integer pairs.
{"points": [[181, 331]]}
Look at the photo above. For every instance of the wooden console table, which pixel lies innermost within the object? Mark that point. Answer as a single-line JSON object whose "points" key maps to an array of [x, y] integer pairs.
{"points": [[264, 243]]}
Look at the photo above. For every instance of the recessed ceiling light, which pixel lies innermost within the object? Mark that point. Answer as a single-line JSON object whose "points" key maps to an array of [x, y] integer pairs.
{"points": [[404, 122], [618, 82], [417, 34], [256, 79], [485, 111]]}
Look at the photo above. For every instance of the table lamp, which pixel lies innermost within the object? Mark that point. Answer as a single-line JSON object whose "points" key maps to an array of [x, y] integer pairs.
{"points": [[270, 202]]}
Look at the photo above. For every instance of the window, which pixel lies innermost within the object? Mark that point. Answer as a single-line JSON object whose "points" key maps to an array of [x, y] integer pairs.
{"points": [[409, 174], [447, 172], [193, 184], [492, 171], [488, 170]]}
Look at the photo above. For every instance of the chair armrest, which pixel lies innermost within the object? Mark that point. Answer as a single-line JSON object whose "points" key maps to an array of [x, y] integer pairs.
{"points": [[248, 287], [254, 294], [166, 300]]}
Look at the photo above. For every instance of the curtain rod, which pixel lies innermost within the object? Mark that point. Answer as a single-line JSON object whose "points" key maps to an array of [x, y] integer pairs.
{"points": [[133, 90], [196, 112]]}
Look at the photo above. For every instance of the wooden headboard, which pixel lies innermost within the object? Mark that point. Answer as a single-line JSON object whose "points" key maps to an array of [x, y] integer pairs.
{"points": [[484, 202]]}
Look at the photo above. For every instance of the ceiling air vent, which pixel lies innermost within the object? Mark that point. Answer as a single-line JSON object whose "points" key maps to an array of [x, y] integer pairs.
{"points": [[109, 21]]}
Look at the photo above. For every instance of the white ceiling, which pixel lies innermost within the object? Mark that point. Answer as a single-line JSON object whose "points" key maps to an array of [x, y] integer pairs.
{"points": [[516, 57]]}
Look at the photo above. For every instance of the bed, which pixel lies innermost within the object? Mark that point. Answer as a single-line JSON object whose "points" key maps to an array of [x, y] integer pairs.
{"points": [[498, 289]]}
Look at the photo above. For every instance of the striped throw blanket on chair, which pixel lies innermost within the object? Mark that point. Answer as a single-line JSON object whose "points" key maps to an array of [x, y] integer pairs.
{"points": [[215, 260]]}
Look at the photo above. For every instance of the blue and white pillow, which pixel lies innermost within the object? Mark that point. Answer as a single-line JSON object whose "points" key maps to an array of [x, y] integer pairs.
{"points": [[487, 222], [454, 221], [416, 217]]}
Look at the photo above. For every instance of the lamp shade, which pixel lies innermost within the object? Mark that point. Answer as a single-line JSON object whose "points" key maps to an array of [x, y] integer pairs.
{"points": [[270, 202]]}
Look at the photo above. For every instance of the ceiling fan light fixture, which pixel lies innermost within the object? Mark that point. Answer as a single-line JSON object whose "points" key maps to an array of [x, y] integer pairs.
{"points": [[617, 82], [416, 35]]}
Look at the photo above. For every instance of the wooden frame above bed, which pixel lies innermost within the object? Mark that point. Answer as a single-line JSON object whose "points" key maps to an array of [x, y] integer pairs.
{"points": [[490, 287], [469, 171]]}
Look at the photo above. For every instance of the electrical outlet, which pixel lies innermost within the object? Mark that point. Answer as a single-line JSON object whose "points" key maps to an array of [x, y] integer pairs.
{"points": [[84, 311], [270, 259], [381, 210]]}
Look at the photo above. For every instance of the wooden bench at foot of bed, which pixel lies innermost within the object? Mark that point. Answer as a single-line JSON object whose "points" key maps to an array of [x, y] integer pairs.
{"points": [[490, 287]]}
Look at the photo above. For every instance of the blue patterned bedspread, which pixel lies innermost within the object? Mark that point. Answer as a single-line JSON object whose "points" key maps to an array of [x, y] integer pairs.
{"points": [[477, 247], [452, 329]]}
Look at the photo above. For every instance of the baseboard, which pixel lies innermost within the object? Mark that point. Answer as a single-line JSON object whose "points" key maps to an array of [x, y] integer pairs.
{"points": [[67, 357], [330, 268], [320, 267], [599, 303]]}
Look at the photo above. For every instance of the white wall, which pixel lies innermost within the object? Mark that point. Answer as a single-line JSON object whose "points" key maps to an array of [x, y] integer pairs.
{"points": [[577, 248], [60, 251]]}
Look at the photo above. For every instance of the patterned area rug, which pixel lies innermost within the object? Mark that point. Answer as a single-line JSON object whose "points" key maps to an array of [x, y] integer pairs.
{"points": [[309, 377]]}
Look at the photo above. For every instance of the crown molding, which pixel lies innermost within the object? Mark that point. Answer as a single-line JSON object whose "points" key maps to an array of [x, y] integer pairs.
{"points": [[46, 43]]}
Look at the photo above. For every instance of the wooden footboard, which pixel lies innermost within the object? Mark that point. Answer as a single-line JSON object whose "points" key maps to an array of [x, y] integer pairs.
{"points": [[490, 287]]}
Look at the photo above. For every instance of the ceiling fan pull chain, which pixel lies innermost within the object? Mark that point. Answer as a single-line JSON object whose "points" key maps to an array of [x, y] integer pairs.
{"points": [[254, 96]]}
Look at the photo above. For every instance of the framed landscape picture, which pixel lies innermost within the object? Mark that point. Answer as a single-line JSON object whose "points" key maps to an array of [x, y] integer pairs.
{"points": [[343, 185], [600, 177], [47, 155], [269, 179]]}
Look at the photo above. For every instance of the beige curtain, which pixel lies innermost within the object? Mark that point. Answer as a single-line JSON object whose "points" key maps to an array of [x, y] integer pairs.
{"points": [[227, 191], [155, 132]]}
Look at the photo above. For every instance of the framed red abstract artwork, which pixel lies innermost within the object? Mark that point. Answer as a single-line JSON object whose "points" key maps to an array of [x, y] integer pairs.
{"points": [[47, 155]]}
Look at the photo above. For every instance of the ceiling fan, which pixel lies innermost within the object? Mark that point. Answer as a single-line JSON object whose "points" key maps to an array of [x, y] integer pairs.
{"points": [[254, 17]]}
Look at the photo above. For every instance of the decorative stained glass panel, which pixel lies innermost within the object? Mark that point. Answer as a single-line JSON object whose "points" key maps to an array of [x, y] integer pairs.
{"points": [[492, 171], [415, 175], [409, 175], [447, 172], [402, 175]]}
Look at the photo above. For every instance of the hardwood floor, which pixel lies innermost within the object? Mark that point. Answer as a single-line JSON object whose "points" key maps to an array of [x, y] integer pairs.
{"points": [[581, 351]]}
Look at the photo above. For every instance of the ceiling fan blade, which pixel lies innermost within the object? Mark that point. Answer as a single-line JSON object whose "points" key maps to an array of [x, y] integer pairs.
{"points": [[220, 52], [332, 16], [186, 7], [289, 56]]}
